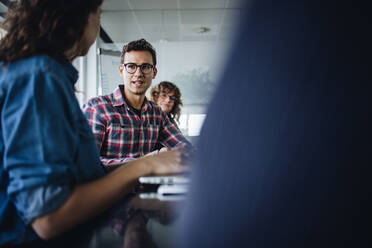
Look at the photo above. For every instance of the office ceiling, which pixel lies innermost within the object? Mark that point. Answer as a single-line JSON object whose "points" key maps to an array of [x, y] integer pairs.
{"points": [[168, 20], [164, 20]]}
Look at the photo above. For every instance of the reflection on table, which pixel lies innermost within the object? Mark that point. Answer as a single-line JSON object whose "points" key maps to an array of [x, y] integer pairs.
{"points": [[141, 220]]}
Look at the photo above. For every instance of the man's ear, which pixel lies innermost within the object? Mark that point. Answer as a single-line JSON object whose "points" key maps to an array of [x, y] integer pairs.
{"points": [[155, 72], [121, 68]]}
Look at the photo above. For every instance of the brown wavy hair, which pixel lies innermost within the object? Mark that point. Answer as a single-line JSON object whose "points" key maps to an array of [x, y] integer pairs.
{"points": [[175, 113], [48, 27]]}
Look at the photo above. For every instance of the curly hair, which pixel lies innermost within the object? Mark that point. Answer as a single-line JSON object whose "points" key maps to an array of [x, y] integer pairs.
{"points": [[175, 113], [44, 27], [138, 45]]}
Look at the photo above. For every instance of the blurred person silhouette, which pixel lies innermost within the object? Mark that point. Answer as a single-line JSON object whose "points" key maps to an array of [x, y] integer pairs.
{"points": [[51, 177], [290, 164]]}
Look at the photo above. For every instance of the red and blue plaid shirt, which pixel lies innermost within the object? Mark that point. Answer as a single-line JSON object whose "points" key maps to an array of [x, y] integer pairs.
{"points": [[122, 135]]}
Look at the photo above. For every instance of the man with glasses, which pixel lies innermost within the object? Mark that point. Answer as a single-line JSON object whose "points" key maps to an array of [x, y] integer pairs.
{"points": [[125, 123]]}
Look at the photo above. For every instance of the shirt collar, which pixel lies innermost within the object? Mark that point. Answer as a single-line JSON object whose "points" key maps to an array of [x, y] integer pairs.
{"points": [[118, 99], [71, 72]]}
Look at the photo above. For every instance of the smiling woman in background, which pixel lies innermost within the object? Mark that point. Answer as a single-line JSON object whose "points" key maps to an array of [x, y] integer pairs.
{"points": [[51, 178], [168, 96]]}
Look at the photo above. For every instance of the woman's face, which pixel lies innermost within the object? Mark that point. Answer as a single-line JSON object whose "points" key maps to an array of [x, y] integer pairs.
{"points": [[166, 100], [91, 31]]}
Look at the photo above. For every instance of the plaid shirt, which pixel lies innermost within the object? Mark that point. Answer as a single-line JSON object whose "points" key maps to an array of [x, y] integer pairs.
{"points": [[122, 135]]}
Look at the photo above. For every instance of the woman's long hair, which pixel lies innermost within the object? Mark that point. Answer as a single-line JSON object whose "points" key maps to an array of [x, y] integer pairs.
{"points": [[175, 113], [44, 27]]}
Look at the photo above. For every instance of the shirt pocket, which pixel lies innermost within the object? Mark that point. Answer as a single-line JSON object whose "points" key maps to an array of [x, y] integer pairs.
{"points": [[119, 134], [121, 140]]}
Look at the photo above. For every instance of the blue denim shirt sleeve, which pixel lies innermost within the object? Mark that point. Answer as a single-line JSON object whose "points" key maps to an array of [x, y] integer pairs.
{"points": [[41, 141]]}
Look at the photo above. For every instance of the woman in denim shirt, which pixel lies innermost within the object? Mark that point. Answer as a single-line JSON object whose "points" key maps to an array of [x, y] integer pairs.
{"points": [[51, 178]]}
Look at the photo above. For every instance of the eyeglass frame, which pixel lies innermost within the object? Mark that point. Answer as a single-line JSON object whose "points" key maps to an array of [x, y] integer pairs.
{"points": [[140, 66], [172, 98]]}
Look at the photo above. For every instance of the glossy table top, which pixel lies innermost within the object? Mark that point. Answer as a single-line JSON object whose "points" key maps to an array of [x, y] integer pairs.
{"points": [[141, 220]]}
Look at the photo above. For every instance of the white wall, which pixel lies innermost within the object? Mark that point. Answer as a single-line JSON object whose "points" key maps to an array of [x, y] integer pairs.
{"points": [[88, 82], [109, 76], [2, 33], [193, 66]]}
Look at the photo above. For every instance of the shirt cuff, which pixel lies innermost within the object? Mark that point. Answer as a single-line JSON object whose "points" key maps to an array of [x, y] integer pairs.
{"points": [[40, 201]]}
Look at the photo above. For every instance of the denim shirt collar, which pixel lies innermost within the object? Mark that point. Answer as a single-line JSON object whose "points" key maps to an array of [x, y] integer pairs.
{"points": [[71, 72]]}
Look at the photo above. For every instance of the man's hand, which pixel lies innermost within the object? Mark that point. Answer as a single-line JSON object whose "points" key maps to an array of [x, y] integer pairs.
{"points": [[163, 149], [165, 162]]}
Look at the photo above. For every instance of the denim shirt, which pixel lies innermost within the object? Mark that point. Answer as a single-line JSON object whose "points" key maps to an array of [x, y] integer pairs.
{"points": [[46, 144]]}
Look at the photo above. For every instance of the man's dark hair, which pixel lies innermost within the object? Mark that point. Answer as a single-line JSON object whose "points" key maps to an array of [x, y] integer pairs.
{"points": [[138, 45], [48, 27]]}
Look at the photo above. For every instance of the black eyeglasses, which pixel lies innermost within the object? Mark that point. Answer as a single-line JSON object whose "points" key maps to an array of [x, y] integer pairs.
{"points": [[132, 68]]}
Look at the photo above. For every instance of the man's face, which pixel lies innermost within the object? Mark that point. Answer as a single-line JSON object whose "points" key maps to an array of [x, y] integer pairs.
{"points": [[138, 82]]}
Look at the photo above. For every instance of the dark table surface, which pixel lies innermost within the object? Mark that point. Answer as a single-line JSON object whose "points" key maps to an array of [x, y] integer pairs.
{"points": [[140, 220]]}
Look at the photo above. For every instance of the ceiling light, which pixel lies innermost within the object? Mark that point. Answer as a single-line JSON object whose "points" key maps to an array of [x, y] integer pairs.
{"points": [[202, 30]]}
